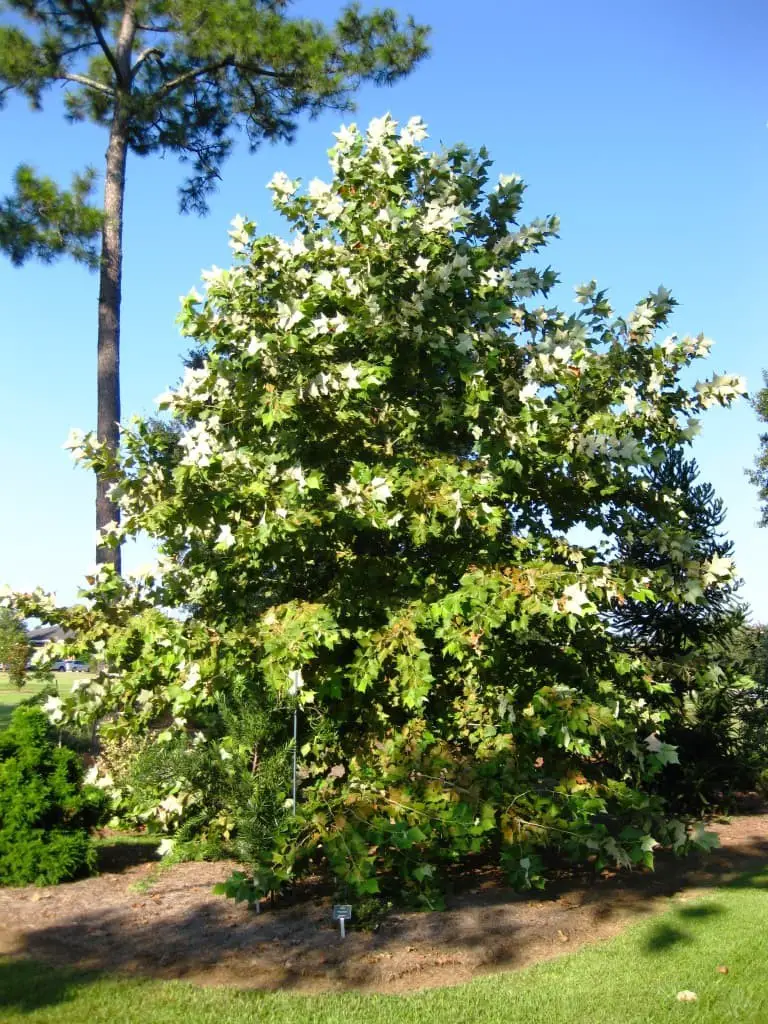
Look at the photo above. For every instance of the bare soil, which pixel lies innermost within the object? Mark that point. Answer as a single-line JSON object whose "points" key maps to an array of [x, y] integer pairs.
{"points": [[168, 924]]}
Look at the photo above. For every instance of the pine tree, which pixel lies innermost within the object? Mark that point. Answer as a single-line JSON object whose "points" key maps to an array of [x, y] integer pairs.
{"points": [[170, 76], [671, 630], [689, 644], [759, 475]]}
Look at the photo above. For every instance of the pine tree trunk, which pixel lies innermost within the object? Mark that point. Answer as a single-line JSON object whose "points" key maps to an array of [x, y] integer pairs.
{"points": [[111, 278], [108, 345]]}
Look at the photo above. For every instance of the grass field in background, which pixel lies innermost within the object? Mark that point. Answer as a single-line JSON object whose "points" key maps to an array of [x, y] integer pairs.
{"points": [[11, 696], [632, 979]]}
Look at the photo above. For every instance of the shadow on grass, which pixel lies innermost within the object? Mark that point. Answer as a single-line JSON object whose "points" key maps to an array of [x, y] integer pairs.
{"points": [[10, 698], [26, 986], [6, 710], [123, 852], [669, 932], [758, 880], [683, 924]]}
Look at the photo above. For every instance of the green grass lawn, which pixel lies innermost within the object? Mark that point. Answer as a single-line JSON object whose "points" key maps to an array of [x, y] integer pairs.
{"points": [[633, 979], [11, 696]]}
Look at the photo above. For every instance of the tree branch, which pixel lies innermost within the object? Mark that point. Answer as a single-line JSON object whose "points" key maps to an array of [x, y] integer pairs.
{"points": [[60, 55], [96, 25], [172, 26], [188, 76], [145, 55], [155, 28], [70, 76], [227, 62]]}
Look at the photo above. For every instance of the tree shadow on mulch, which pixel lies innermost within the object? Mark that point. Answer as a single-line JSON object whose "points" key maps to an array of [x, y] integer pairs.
{"points": [[178, 929]]}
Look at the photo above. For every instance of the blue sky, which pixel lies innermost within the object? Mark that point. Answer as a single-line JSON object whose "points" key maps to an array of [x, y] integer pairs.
{"points": [[642, 125]]}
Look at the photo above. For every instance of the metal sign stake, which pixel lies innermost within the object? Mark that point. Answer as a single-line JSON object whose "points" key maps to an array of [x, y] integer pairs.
{"points": [[297, 684], [342, 912], [295, 737]]}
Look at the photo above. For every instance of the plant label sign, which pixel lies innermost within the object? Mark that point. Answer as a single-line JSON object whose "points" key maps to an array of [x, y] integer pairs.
{"points": [[342, 912]]}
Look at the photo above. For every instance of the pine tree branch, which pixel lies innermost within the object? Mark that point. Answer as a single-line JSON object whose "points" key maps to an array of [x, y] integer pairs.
{"points": [[188, 76], [156, 28], [90, 83], [227, 62], [96, 26], [145, 55], [60, 55]]}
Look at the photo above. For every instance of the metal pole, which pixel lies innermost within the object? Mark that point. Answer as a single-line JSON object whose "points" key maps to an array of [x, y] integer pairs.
{"points": [[295, 737]]}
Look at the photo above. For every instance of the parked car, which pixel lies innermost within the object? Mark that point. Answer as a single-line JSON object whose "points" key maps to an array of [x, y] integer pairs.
{"points": [[70, 666]]}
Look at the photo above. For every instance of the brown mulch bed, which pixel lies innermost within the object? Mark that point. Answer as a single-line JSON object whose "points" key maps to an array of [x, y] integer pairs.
{"points": [[170, 925]]}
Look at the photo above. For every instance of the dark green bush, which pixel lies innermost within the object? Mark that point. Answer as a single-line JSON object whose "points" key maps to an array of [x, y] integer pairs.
{"points": [[45, 809]]}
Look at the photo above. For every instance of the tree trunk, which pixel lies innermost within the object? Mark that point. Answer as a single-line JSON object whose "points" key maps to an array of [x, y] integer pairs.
{"points": [[111, 277], [108, 344]]}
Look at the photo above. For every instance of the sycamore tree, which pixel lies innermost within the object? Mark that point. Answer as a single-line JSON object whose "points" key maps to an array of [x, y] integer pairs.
{"points": [[169, 76], [364, 512]]}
